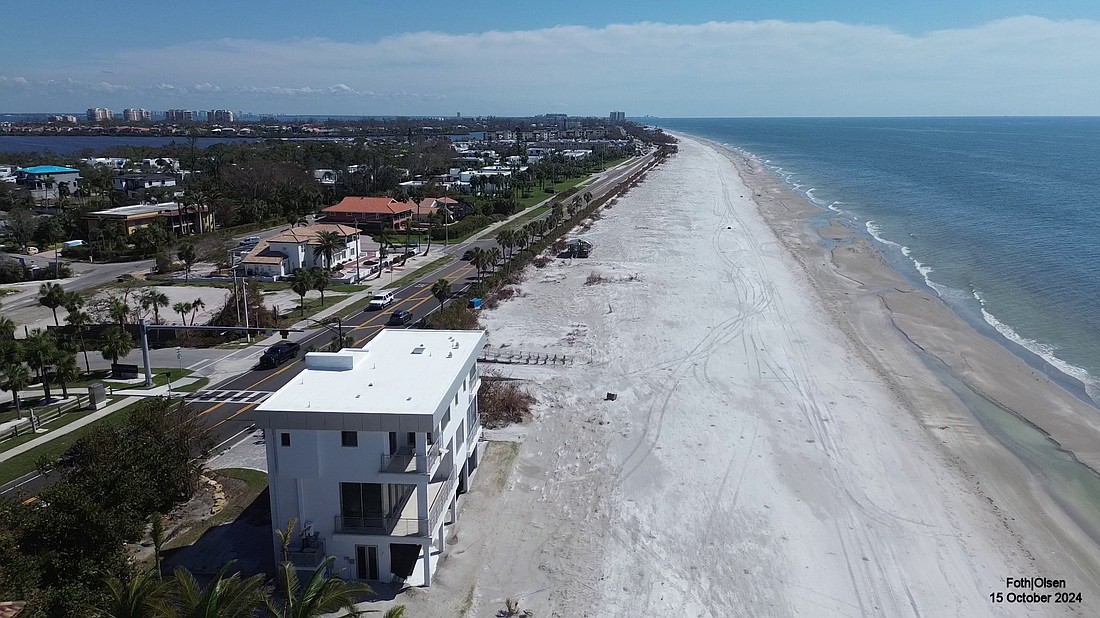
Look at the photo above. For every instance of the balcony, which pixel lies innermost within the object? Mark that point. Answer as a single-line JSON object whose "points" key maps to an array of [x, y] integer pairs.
{"points": [[406, 521], [406, 461], [307, 556], [386, 526]]}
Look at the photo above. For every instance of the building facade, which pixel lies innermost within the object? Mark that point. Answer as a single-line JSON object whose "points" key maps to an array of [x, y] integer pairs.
{"points": [[219, 115], [617, 117], [282, 254], [179, 115], [181, 220], [370, 213], [369, 461], [45, 182], [99, 114], [136, 115]]}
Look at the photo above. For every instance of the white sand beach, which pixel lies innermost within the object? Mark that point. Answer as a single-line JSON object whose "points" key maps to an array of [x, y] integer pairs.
{"points": [[777, 447]]}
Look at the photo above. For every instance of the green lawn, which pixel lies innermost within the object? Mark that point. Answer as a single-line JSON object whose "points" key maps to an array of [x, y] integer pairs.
{"points": [[519, 222], [59, 421], [420, 272], [22, 464]]}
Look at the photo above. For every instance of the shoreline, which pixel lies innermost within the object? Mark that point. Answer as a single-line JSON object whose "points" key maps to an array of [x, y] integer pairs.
{"points": [[983, 367]]}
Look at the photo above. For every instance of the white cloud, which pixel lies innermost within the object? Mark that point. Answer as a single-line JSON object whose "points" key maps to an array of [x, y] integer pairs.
{"points": [[1022, 65]]}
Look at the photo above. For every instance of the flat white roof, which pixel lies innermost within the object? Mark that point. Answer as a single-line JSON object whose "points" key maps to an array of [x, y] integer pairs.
{"points": [[397, 372]]}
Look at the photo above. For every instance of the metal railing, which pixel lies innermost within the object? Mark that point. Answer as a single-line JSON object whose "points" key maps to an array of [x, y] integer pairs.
{"points": [[308, 557], [406, 460], [390, 526], [443, 498]]}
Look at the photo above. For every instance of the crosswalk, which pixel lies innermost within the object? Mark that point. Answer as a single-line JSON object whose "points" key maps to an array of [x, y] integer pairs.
{"points": [[229, 396]]}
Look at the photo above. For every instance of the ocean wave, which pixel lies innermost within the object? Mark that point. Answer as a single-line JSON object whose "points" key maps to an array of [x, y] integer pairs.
{"points": [[925, 270], [1045, 351]]}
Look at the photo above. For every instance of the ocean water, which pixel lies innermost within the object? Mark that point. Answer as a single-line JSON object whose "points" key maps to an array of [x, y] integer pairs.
{"points": [[1000, 216]]}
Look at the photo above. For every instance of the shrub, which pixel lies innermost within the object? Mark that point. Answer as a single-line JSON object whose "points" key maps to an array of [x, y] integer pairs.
{"points": [[594, 279], [455, 316], [506, 293], [541, 261], [501, 401]]}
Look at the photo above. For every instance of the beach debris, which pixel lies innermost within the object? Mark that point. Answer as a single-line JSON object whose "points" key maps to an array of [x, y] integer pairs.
{"points": [[612, 396]]}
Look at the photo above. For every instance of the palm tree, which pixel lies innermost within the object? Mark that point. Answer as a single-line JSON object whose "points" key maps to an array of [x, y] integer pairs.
{"points": [[144, 596], [119, 310], [196, 305], [115, 344], [79, 320], [320, 596], [188, 255], [15, 377], [441, 290], [40, 350], [65, 370], [494, 257], [383, 239], [502, 238], [7, 327], [295, 219], [51, 295], [301, 282], [319, 280], [328, 243], [224, 597], [183, 309], [397, 611], [154, 299], [156, 534]]}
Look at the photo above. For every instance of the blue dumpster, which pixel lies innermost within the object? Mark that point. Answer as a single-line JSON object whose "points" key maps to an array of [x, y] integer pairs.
{"points": [[475, 303]]}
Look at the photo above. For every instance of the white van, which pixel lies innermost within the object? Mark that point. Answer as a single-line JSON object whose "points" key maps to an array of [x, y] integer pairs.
{"points": [[380, 301]]}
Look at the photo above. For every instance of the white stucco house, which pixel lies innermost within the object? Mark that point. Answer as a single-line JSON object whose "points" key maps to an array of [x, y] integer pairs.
{"points": [[280, 255], [369, 450]]}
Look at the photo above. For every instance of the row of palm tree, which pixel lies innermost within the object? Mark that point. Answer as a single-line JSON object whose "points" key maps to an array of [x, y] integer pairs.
{"points": [[303, 280]]}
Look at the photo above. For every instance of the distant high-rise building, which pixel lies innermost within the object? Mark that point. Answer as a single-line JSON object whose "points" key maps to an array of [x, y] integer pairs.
{"points": [[618, 117], [219, 115], [99, 114], [135, 115], [179, 115], [62, 118]]}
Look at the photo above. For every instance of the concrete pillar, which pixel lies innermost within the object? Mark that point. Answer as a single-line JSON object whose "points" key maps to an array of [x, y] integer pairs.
{"points": [[442, 539], [422, 507], [421, 452], [427, 557]]}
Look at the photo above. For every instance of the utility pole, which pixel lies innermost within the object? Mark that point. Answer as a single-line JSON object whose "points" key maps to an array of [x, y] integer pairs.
{"points": [[143, 334], [244, 288]]}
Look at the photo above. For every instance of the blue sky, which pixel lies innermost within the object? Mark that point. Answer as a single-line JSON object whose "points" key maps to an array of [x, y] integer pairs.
{"points": [[701, 58]]}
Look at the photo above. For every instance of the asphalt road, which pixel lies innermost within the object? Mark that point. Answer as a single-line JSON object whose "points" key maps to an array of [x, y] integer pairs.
{"points": [[225, 407]]}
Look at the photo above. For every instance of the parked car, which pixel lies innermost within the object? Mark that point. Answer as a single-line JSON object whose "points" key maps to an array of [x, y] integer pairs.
{"points": [[468, 255], [278, 354], [401, 317], [380, 300], [251, 241]]}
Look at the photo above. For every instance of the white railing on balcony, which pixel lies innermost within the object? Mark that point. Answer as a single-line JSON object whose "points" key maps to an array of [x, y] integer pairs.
{"points": [[391, 526], [405, 460]]}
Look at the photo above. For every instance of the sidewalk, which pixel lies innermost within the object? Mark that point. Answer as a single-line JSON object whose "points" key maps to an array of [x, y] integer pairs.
{"points": [[73, 426]]}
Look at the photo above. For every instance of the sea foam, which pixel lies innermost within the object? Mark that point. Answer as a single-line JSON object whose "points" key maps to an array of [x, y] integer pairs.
{"points": [[1043, 350]]}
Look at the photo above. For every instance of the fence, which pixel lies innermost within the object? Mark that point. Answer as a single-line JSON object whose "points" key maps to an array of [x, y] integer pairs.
{"points": [[44, 415]]}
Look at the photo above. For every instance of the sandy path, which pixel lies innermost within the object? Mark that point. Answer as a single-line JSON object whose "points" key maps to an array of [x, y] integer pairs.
{"points": [[757, 462]]}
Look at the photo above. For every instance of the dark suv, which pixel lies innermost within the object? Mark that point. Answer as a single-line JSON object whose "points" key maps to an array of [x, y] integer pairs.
{"points": [[278, 354], [401, 317]]}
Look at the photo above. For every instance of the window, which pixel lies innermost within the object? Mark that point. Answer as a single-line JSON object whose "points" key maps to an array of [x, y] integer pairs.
{"points": [[349, 438], [284, 439]]}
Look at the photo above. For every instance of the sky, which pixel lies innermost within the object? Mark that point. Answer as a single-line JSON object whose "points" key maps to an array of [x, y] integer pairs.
{"points": [[701, 58]]}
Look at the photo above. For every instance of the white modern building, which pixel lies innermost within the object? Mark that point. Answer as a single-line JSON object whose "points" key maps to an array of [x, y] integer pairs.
{"points": [[369, 449]]}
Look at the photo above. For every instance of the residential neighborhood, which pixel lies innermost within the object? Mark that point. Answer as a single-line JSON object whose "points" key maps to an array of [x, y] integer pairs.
{"points": [[235, 285]]}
